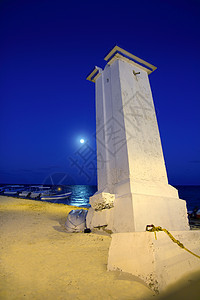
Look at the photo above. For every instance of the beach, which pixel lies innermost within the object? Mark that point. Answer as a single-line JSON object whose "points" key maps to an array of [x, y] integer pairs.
{"points": [[40, 260]]}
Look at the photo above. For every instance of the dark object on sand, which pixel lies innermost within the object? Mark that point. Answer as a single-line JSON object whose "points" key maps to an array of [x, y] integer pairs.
{"points": [[76, 220], [87, 230]]}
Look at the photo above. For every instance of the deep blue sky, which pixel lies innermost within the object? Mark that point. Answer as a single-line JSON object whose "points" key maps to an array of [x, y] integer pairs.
{"points": [[47, 48]]}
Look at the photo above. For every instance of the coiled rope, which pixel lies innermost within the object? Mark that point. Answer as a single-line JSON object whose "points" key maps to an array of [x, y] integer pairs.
{"points": [[153, 228]]}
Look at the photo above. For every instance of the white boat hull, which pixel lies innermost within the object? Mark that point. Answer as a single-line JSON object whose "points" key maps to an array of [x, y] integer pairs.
{"points": [[10, 193], [56, 197], [25, 194], [35, 195]]}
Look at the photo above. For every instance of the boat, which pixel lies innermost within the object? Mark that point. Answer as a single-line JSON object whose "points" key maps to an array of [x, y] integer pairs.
{"points": [[25, 193], [13, 190], [55, 196], [198, 214], [194, 214], [2, 189], [38, 191]]}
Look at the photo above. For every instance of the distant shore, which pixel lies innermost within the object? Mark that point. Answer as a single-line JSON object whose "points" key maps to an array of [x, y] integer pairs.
{"points": [[40, 260]]}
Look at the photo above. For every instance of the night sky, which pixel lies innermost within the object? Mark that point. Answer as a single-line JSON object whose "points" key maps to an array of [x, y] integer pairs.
{"points": [[47, 49]]}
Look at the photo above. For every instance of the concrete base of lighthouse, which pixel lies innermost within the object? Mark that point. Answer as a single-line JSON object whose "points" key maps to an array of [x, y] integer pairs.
{"points": [[133, 211], [169, 213], [158, 262]]}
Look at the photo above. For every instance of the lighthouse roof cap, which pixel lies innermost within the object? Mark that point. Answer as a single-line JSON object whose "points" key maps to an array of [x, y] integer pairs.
{"points": [[119, 53]]}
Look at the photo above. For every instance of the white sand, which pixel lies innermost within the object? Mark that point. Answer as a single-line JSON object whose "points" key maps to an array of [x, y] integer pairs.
{"points": [[40, 260]]}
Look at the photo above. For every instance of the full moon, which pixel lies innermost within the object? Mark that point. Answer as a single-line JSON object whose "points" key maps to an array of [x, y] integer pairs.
{"points": [[82, 141]]}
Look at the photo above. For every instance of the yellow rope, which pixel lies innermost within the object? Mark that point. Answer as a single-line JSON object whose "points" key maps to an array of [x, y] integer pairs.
{"points": [[153, 228]]}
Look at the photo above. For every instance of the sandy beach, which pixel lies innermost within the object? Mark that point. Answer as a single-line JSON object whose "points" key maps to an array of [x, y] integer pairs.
{"points": [[40, 260]]}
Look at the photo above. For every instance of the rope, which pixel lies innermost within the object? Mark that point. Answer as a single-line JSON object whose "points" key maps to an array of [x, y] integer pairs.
{"points": [[152, 228]]}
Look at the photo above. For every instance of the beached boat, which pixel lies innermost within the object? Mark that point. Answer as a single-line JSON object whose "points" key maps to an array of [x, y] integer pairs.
{"points": [[198, 214], [38, 191], [55, 196], [13, 190], [25, 193], [2, 189]]}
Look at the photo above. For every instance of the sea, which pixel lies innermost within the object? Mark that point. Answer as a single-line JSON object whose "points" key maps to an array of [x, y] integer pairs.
{"points": [[81, 194]]}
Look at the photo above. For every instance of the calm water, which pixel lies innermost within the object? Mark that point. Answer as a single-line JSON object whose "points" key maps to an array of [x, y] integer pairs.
{"points": [[79, 197], [81, 193]]}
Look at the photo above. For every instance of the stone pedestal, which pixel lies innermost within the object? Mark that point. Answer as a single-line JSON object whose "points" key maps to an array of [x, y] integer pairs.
{"points": [[158, 263]]}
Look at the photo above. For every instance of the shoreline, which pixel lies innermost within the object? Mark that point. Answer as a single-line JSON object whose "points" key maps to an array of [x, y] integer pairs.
{"points": [[39, 259]]}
